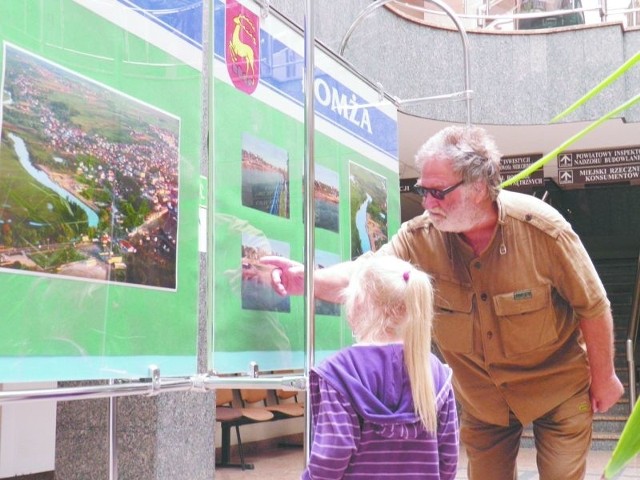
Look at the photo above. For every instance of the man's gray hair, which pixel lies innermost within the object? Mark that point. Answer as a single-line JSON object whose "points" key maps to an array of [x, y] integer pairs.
{"points": [[473, 154]]}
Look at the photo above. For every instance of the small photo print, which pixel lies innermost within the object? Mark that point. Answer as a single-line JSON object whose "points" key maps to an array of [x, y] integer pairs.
{"points": [[324, 260], [257, 292], [265, 176], [327, 199]]}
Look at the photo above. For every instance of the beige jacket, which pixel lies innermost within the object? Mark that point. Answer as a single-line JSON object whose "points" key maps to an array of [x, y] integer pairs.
{"points": [[507, 322]]}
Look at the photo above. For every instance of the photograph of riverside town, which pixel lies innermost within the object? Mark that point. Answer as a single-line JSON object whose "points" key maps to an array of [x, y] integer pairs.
{"points": [[88, 178]]}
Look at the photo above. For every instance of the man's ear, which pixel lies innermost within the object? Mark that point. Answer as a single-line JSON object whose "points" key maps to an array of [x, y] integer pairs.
{"points": [[480, 191]]}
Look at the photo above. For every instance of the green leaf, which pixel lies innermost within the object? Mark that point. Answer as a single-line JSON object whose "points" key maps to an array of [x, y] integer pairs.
{"points": [[628, 445], [601, 86], [545, 159]]}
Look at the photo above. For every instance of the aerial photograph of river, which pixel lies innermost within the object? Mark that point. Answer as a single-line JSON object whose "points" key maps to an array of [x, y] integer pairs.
{"points": [[265, 176], [368, 200], [89, 178]]}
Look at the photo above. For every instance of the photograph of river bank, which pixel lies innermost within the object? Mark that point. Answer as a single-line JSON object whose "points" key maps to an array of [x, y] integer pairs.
{"points": [[368, 206], [265, 176], [327, 199], [89, 178]]}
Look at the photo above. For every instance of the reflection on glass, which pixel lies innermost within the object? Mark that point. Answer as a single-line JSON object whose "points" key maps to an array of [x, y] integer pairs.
{"points": [[247, 309]]}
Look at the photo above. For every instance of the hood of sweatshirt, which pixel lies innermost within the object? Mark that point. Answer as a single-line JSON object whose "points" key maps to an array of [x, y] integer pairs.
{"points": [[375, 381]]}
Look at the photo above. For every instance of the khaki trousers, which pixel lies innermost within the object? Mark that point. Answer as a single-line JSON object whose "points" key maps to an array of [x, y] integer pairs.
{"points": [[562, 440]]}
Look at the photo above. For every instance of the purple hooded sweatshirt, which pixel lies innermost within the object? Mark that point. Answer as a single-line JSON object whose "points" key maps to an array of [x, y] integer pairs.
{"points": [[364, 424]]}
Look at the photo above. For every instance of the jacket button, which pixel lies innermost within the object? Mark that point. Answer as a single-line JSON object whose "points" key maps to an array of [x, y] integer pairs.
{"points": [[483, 297], [489, 334]]}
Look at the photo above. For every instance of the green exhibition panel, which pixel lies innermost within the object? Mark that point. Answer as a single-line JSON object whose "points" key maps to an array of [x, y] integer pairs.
{"points": [[105, 216], [258, 152], [99, 179]]}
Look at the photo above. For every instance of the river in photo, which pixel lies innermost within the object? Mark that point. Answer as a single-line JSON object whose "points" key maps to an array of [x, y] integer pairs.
{"points": [[23, 155], [261, 190], [361, 225]]}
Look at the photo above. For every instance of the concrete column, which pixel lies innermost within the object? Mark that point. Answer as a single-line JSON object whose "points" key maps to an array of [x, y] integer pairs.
{"points": [[166, 437]]}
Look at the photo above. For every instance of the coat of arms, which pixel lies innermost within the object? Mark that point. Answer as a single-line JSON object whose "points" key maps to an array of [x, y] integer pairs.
{"points": [[242, 46]]}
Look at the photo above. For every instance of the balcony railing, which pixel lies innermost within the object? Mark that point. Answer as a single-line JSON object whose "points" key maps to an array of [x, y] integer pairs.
{"points": [[509, 15]]}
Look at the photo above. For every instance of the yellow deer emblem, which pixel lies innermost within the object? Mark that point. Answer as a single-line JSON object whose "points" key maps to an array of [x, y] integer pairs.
{"points": [[238, 48]]}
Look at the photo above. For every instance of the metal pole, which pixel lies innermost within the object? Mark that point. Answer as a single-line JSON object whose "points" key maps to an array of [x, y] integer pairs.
{"points": [[144, 387], [309, 217], [632, 374], [113, 439]]}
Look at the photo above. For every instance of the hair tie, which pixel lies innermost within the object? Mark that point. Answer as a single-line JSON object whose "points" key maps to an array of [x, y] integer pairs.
{"points": [[405, 275]]}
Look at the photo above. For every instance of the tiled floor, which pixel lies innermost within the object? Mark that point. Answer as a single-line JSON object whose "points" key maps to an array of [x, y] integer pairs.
{"points": [[287, 463]]}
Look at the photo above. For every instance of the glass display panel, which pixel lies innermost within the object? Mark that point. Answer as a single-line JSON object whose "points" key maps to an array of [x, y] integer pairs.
{"points": [[258, 138], [101, 125]]}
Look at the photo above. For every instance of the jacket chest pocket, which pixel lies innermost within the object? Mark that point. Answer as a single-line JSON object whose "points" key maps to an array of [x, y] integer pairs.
{"points": [[453, 322], [527, 320]]}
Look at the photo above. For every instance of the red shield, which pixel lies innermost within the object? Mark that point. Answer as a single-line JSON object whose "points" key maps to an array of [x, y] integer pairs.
{"points": [[242, 46]]}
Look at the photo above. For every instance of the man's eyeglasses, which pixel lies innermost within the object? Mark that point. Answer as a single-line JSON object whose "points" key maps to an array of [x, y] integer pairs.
{"points": [[434, 192]]}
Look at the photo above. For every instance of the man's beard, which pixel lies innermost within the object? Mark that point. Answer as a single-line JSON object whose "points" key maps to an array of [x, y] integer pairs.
{"points": [[461, 218]]}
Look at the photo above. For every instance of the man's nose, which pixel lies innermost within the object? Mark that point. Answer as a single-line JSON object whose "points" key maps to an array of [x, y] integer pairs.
{"points": [[428, 202]]}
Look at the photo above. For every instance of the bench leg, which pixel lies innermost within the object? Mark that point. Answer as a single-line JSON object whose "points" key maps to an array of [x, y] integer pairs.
{"points": [[225, 453]]}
